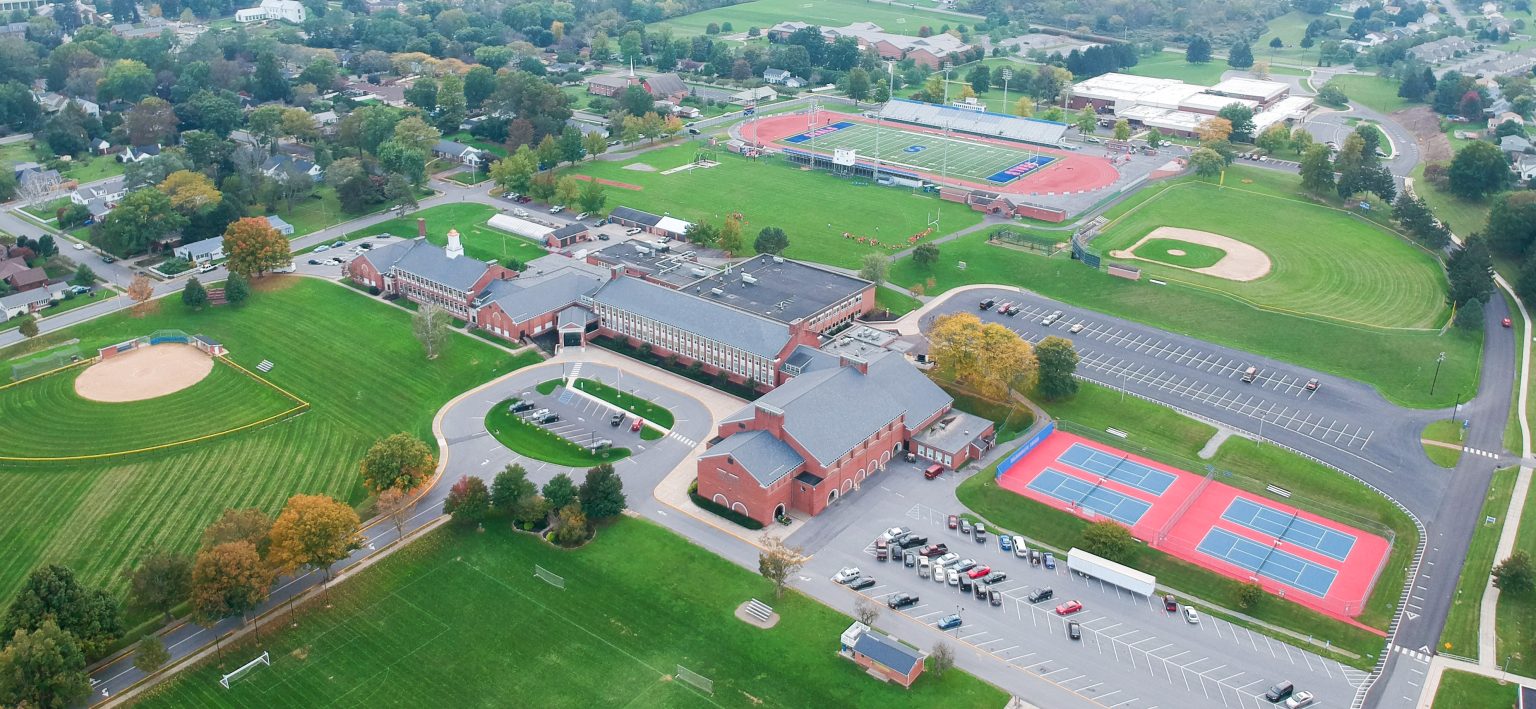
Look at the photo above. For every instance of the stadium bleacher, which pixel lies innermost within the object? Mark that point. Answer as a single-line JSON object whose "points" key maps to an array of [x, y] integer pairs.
{"points": [[992, 125]]}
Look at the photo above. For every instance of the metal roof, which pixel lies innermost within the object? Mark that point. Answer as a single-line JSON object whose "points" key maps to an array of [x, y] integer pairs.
{"points": [[525, 301], [779, 288], [698, 315], [428, 261], [766, 458], [887, 651]]}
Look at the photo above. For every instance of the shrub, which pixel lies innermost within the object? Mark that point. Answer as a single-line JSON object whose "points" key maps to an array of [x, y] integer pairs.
{"points": [[721, 510]]}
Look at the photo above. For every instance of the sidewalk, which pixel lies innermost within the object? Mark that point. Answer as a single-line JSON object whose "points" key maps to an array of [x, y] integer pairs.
{"points": [[1441, 663]]}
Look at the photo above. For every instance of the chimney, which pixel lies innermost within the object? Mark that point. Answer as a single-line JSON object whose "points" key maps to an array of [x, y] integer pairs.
{"points": [[454, 249], [421, 227], [858, 363]]}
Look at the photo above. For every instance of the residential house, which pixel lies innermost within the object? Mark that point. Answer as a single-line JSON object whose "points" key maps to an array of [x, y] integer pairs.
{"points": [[138, 153], [1525, 167], [781, 77], [31, 301], [291, 11], [100, 197], [281, 226], [753, 96], [1515, 145], [281, 166], [459, 153], [201, 252], [36, 182]]}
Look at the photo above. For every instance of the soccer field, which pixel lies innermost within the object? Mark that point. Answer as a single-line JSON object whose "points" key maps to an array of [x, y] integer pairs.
{"points": [[925, 152]]}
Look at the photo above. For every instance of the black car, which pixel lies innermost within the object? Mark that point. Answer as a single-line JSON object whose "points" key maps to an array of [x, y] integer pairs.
{"points": [[909, 559], [986, 304], [981, 591], [1280, 692], [861, 583], [602, 237], [521, 406], [1041, 594], [901, 600], [966, 583], [912, 540], [1074, 630], [314, 262], [616, 420], [995, 577], [106, 258], [550, 418], [995, 597]]}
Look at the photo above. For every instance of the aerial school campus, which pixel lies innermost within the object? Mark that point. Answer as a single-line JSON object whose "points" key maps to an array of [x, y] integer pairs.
{"points": [[904, 402]]}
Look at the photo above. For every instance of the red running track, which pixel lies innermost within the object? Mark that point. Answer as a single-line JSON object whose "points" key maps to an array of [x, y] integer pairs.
{"points": [[1071, 172]]}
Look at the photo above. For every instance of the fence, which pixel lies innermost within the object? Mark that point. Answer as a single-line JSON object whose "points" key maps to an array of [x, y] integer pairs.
{"points": [[1025, 240], [40, 365], [1024, 449], [159, 337]]}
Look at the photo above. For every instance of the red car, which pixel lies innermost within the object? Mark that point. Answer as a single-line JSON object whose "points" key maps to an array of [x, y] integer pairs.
{"points": [[634, 427], [1507, 323], [954, 522], [1069, 608], [979, 572], [933, 550]]}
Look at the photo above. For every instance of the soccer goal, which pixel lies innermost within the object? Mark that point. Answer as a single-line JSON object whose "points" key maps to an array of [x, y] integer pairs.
{"points": [[705, 684], [549, 577], [264, 659]]}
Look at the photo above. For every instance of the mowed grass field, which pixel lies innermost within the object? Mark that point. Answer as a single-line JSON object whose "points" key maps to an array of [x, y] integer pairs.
{"points": [[1191, 255], [762, 14], [925, 152], [1398, 363], [1325, 263], [354, 359], [813, 208], [75, 426], [458, 619], [1171, 65], [480, 242]]}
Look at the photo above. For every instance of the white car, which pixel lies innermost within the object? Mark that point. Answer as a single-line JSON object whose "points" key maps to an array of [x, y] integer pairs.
{"points": [[632, 231], [893, 533], [322, 247], [290, 268], [847, 574], [79, 246], [947, 560], [1300, 700], [556, 209], [205, 268], [954, 578], [1018, 547], [1191, 615], [924, 567]]}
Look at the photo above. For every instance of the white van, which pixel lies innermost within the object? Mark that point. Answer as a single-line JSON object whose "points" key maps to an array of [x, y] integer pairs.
{"points": [[520, 212]]}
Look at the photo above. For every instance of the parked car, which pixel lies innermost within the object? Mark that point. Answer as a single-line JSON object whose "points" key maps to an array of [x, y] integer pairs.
{"points": [[1019, 548], [556, 209], [909, 559], [520, 407], [954, 521], [964, 565], [582, 216], [861, 583], [846, 574], [954, 577], [616, 420], [949, 621], [933, 471], [1005, 542], [981, 533], [882, 549], [912, 540], [1034, 557], [1280, 692], [79, 290], [894, 532], [1069, 608], [924, 567], [995, 597], [1191, 615], [901, 600], [1012, 311], [108, 258], [1049, 560], [995, 577], [978, 571], [322, 247], [1047, 320], [981, 591], [1074, 630], [631, 231], [965, 526], [205, 268], [602, 237], [79, 246], [1041, 594], [635, 427], [934, 550], [1508, 322], [550, 418], [946, 560], [1170, 604], [986, 304], [966, 583], [1300, 700], [1076, 328], [1312, 383]]}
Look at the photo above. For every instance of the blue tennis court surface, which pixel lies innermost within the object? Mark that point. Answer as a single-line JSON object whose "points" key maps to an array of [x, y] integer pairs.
{"points": [[1111, 504], [1295, 530], [1034, 162], [1127, 472], [1288, 569], [824, 130]]}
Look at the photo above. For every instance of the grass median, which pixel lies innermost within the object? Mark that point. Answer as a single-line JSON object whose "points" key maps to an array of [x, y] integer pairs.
{"points": [[1461, 625], [531, 440], [1446, 432]]}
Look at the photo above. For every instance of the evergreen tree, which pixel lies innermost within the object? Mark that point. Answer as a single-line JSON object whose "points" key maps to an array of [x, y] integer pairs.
{"points": [[1240, 56], [1199, 51], [1470, 272]]}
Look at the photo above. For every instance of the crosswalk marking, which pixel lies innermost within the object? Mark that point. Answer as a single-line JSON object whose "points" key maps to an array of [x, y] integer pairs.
{"points": [[1483, 453], [682, 439], [1415, 654]]}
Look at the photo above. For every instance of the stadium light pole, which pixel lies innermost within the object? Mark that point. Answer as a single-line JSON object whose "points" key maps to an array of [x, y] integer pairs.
{"points": [[948, 65], [1007, 75], [1438, 361]]}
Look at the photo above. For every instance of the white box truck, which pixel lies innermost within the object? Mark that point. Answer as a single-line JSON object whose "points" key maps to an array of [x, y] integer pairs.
{"points": [[1111, 572]]}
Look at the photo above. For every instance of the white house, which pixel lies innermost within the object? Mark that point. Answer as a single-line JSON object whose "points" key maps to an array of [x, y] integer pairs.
{"points": [[279, 166], [1525, 167], [26, 302], [286, 10], [138, 153], [201, 252], [101, 197], [281, 226], [458, 152]]}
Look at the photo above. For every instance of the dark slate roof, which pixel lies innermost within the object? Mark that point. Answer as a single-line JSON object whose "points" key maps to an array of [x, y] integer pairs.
{"points": [[768, 459], [809, 359], [449, 147], [428, 261], [523, 301], [809, 478], [666, 85], [574, 315], [634, 215], [609, 80], [571, 229], [782, 289], [204, 247], [887, 651], [830, 411], [698, 315], [282, 159]]}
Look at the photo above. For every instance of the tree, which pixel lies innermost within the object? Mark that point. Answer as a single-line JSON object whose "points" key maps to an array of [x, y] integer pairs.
{"points": [[150, 655], [127, 80], [771, 240], [194, 295], [730, 236], [161, 581], [140, 219], [591, 196], [568, 190], [515, 172], [414, 133], [1207, 162], [190, 192], [1416, 219], [549, 152], [593, 144], [560, 491], [253, 247], [1469, 316], [239, 525], [298, 123], [571, 144], [988, 358], [876, 267], [1213, 130], [925, 255], [940, 659], [451, 104], [1249, 595], [1024, 107], [236, 289], [140, 291], [1086, 120], [866, 612], [1515, 575], [1240, 118], [44, 667], [1511, 227], [28, 327], [1109, 539], [399, 461], [1317, 169], [570, 526], [1199, 50], [1470, 272], [430, 325], [1479, 169], [313, 530], [268, 82], [1274, 138], [778, 561], [1240, 56], [479, 84], [51, 592], [228, 580], [393, 504], [150, 122], [510, 486], [858, 84], [1122, 130], [1058, 362], [601, 493], [468, 501]]}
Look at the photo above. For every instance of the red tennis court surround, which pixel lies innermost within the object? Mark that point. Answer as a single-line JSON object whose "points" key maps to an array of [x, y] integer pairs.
{"points": [[1069, 172], [1312, 560]]}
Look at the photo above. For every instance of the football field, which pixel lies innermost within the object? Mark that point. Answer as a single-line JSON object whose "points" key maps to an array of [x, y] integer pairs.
{"points": [[948, 156]]}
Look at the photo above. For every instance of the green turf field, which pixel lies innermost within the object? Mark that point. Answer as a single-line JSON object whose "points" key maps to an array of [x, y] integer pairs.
{"points": [[1171, 65], [480, 242], [226, 399], [1325, 263], [812, 207], [1398, 363], [954, 156], [1193, 256], [353, 358], [762, 14], [459, 619]]}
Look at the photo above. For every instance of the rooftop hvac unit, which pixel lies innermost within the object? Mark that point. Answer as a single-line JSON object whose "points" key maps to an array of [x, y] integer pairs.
{"points": [[643, 250], [748, 278], [778, 259], [697, 271]]}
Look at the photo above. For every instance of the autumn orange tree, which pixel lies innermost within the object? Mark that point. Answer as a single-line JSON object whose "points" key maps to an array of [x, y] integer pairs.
{"points": [[1214, 129], [190, 192], [140, 291], [253, 247], [399, 461], [228, 580], [312, 530], [986, 357]]}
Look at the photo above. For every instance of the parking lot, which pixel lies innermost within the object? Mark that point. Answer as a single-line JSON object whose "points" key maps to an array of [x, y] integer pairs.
{"points": [[1132, 652], [584, 421]]}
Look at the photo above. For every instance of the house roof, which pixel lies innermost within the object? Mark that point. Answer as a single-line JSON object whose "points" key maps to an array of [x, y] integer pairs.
{"points": [[766, 458], [665, 85], [28, 277], [634, 215], [695, 314], [571, 229], [427, 261], [616, 80], [281, 159], [277, 223], [28, 297], [204, 247], [1514, 143], [574, 315], [146, 149], [523, 301], [775, 73], [449, 147], [887, 651]]}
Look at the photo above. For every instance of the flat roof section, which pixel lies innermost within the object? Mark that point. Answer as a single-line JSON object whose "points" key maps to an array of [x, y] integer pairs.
{"points": [[676, 268], [778, 288], [1251, 88]]}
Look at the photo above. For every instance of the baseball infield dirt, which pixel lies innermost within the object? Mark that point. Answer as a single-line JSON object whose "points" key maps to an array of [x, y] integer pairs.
{"points": [[1243, 262], [144, 373]]}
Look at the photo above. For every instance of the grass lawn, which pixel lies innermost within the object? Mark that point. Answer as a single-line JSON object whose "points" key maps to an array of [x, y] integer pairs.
{"points": [[762, 14], [1374, 92], [1324, 262], [480, 241], [93, 168], [1463, 216], [897, 302], [1171, 65], [467, 177], [1444, 431], [474, 142], [535, 442], [1459, 690], [78, 426], [354, 360], [1517, 614], [458, 618], [1398, 363], [646, 409], [1190, 255], [47, 211], [1289, 28], [813, 208], [1460, 634]]}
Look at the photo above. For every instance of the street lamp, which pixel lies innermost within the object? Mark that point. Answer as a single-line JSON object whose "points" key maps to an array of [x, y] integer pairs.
{"points": [[1438, 361]]}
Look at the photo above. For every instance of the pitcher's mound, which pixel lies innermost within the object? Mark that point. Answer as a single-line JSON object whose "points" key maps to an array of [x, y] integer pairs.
{"points": [[1243, 261], [144, 373]]}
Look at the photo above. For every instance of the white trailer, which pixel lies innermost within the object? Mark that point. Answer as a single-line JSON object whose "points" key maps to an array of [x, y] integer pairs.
{"points": [[1110, 572]]}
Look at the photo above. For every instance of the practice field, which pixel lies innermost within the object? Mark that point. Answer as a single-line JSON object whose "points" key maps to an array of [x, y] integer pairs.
{"points": [[480, 242], [76, 426], [815, 209], [1325, 262], [762, 14], [459, 619], [1309, 559], [352, 358]]}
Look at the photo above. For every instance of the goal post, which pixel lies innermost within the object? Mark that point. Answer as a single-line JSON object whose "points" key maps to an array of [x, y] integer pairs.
{"points": [[704, 684], [549, 577], [263, 659]]}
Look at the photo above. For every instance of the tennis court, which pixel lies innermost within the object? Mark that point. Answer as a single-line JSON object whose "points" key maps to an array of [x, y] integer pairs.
{"points": [[1290, 527], [1120, 469], [1087, 496], [1269, 562], [950, 155]]}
